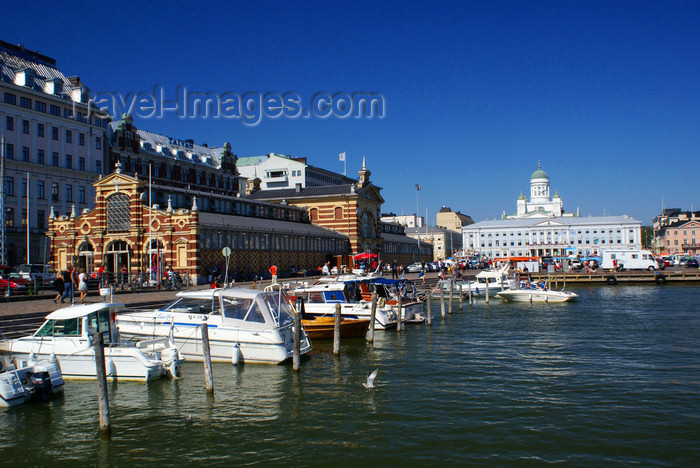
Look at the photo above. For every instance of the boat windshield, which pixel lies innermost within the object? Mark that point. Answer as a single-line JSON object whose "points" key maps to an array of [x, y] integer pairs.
{"points": [[242, 309], [194, 305], [68, 327], [281, 311]]}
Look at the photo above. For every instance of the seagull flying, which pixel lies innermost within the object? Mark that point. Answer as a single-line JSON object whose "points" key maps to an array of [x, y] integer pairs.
{"points": [[370, 379]]}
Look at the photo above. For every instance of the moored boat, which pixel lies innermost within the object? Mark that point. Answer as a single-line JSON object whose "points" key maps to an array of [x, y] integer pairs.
{"points": [[244, 325], [537, 294], [21, 381], [323, 328], [67, 334]]}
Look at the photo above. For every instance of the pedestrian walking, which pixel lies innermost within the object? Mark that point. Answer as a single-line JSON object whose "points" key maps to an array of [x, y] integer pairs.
{"points": [[67, 285], [82, 285], [59, 286]]}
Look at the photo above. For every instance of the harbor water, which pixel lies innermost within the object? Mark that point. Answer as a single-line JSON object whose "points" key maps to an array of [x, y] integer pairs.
{"points": [[613, 379]]}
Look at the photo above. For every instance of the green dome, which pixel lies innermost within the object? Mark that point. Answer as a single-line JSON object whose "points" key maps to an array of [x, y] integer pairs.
{"points": [[539, 173]]}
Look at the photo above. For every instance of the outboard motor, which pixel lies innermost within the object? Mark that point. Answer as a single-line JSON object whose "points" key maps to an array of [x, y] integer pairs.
{"points": [[41, 384]]}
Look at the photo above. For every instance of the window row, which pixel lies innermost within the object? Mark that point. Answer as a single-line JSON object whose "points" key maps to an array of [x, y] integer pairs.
{"points": [[40, 217], [41, 106], [54, 161], [41, 190], [262, 241], [41, 132]]}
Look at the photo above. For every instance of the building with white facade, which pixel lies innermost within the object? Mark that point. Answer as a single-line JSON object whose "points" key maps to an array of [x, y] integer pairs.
{"points": [[277, 171], [537, 237], [540, 203], [410, 221], [54, 148]]}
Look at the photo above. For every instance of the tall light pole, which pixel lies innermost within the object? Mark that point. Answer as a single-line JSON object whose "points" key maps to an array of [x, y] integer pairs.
{"points": [[417, 228]]}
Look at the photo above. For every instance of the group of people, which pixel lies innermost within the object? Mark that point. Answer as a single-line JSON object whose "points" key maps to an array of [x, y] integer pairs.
{"points": [[69, 281]]}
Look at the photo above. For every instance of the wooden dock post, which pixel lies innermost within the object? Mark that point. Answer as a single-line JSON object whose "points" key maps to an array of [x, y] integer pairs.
{"points": [[487, 290], [370, 333], [452, 289], [442, 301], [296, 353], [102, 398], [461, 298], [429, 313], [470, 294], [208, 375], [336, 330], [398, 312]]}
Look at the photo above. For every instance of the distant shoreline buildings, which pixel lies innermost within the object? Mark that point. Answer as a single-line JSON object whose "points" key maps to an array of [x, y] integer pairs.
{"points": [[541, 227]]}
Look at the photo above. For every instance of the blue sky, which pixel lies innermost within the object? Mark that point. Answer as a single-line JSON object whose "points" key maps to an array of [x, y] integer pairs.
{"points": [[604, 94]]}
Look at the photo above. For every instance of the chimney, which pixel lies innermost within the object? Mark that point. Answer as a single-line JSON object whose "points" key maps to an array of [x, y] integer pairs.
{"points": [[298, 187]]}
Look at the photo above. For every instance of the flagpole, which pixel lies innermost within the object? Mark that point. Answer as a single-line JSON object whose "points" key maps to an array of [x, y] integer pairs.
{"points": [[150, 222], [28, 262]]}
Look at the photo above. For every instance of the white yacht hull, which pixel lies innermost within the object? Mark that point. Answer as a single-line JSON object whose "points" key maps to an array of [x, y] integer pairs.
{"points": [[255, 345], [525, 295], [77, 358]]}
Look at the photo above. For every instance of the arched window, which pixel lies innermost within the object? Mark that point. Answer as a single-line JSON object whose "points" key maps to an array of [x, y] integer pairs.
{"points": [[118, 213], [313, 214], [338, 212]]}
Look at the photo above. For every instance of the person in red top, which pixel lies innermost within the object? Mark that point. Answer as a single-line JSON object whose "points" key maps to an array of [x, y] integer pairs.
{"points": [[273, 272]]}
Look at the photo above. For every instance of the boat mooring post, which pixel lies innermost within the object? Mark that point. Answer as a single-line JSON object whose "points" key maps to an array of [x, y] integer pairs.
{"points": [[336, 330], [487, 290], [442, 300], [398, 312], [102, 398], [461, 298], [452, 289], [429, 313], [470, 294], [208, 375], [296, 353], [370, 334]]}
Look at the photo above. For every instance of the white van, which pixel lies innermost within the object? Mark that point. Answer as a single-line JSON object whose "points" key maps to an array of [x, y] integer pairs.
{"points": [[629, 259]]}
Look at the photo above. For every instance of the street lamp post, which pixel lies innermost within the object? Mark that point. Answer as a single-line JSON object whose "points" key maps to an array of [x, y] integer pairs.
{"points": [[417, 228]]}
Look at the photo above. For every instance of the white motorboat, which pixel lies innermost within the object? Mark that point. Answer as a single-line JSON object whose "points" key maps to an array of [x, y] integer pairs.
{"points": [[21, 380], [67, 334], [245, 325], [321, 299], [495, 280], [536, 294]]}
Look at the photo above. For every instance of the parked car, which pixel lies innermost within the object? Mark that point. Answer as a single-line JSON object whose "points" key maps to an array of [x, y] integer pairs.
{"points": [[692, 263], [576, 264], [10, 278], [43, 274], [414, 267]]}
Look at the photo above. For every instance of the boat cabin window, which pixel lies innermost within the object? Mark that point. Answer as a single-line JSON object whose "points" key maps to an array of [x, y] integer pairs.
{"points": [[99, 322], [236, 308], [194, 305], [315, 298], [254, 314], [68, 327]]}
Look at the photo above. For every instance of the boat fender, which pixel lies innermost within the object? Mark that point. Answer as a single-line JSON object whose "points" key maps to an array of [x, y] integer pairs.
{"points": [[236, 354], [660, 279], [382, 302], [611, 280]]}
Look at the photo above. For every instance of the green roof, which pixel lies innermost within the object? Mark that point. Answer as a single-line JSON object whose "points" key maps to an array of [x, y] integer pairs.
{"points": [[539, 173]]}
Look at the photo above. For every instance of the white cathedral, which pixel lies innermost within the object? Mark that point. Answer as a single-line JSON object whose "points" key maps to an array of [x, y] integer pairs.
{"points": [[540, 204]]}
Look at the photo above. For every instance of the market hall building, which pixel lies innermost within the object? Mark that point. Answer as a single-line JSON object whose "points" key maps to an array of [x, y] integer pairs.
{"points": [[123, 231]]}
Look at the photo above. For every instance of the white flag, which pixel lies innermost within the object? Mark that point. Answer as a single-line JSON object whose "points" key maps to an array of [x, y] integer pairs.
{"points": [[341, 156]]}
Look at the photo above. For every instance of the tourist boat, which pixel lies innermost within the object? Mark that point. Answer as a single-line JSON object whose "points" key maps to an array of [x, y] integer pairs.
{"points": [[495, 280], [536, 293], [21, 381], [67, 334], [320, 300], [244, 325]]}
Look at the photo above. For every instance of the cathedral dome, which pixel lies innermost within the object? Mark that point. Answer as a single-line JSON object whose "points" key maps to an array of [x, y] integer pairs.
{"points": [[539, 173]]}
